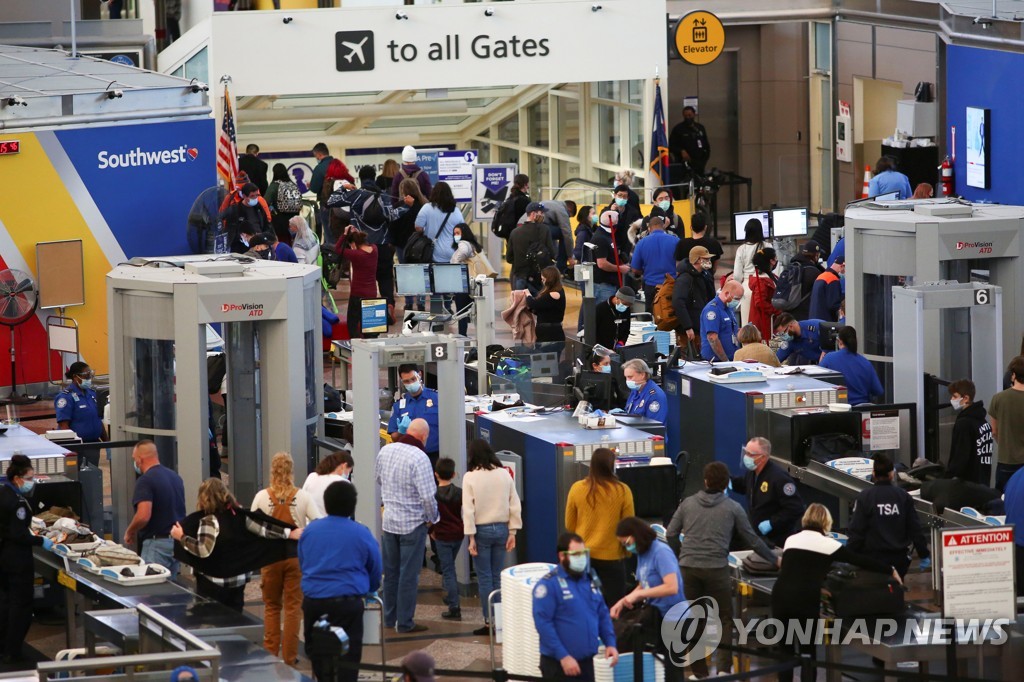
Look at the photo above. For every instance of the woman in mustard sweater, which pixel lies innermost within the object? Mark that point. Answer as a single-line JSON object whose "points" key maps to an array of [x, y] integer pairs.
{"points": [[594, 508]]}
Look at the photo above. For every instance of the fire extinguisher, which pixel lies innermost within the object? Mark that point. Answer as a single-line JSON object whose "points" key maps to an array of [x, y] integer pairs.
{"points": [[946, 178]]}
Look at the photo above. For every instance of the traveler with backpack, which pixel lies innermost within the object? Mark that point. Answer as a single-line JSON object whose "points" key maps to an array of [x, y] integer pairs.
{"points": [[466, 248], [508, 214], [410, 171], [626, 204], [795, 284], [694, 289], [699, 237], [304, 243], [400, 230], [285, 201], [743, 264], [762, 290], [827, 291], [663, 207], [245, 211], [557, 220], [437, 221], [530, 249], [653, 258], [801, 340]]}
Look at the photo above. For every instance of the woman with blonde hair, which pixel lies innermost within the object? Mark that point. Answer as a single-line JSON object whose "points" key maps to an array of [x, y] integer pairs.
{"points": [[281, 580], [806, 560], [304, 242], [594, 508], [217, 541], [753, 347]]}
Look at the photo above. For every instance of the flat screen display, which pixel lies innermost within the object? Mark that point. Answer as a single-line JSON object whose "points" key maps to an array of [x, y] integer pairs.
{"points": [[977, 147], [789, 222], [451, 278], [412, 279], [739, 222], [888, 196]]}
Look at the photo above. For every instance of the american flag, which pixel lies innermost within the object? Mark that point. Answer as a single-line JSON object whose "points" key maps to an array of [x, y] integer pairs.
{"points": [[227, 149]]}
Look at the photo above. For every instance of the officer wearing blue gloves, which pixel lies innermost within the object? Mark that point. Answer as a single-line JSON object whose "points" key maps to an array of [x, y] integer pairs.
{"points": [[775, 505], [801, 341], [418, 402], [646, 399], [17, 572], [571, 616], [78, 410]]}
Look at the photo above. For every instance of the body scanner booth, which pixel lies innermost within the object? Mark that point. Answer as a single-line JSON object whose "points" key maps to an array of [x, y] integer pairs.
{"points": [[270, 319]]}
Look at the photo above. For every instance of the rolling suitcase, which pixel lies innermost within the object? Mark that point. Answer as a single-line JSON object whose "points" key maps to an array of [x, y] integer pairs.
{"points": [[853, 592]]}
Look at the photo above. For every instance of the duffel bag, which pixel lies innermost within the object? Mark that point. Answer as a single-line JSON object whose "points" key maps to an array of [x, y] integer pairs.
{"points": [[852, 592]]}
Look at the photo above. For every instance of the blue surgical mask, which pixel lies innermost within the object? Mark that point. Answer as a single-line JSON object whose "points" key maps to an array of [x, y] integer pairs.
{"points": [[86, 383], [252, 202], [606, 369], [786, 337], [620, 202], [578, 563], [631, 548], [414, 387], [458, 238], [749, 463], [665, 205], [135, 466], [621, 308], [26, 487], [733, 304], [593, 219], [632, 385]]}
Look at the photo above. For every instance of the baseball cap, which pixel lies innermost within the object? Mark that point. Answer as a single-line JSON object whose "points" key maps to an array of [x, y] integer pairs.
{"points": [[536, 206], [420, 666], [810, 246], [626, 295], [698, 252], [840, 259]]}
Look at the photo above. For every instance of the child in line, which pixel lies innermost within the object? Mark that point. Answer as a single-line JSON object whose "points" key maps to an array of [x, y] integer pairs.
{"points": [[448, 533]]}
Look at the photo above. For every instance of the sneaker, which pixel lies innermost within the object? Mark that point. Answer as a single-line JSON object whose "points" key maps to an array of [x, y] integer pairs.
{"points": [[452, 614], [418, 627], [484, 631]]}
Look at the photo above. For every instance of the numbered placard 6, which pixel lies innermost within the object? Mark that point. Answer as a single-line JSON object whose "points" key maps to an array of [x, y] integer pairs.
{"points": [[982, 296]]}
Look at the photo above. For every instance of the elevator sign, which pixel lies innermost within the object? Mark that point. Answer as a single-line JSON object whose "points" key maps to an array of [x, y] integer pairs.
{"points": [[700, 38]]}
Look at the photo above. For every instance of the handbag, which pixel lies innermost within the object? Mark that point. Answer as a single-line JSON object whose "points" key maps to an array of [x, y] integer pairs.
{"points": [[479, 264], [853, 592], [638, 625]]}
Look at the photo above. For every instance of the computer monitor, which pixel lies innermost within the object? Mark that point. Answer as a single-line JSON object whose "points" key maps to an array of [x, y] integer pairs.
{"points": [[789, 222], [647, 351], [450, 278], [827, 335], [739, 223], [888, 196], [595, 388], [412, 279]]}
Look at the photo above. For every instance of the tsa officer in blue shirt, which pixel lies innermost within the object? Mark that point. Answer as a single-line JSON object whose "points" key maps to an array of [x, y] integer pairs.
{"points": [[801, 341], [718, 325], [78, 410], [418, 402], [646, 399], [571, 617], [861, 379]]}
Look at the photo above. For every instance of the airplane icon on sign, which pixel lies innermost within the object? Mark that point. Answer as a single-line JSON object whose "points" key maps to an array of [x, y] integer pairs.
{"points": [[356, 50]]}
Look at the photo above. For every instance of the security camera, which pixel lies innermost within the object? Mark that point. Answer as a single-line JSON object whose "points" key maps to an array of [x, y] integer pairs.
{"points": [[287, 20], [197, 86], [982, 21], [488, 12], [401, 15], [595, 8], [15, 101], [115, 94]]}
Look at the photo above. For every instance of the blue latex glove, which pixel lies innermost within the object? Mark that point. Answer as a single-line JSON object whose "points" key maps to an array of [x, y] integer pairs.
{"points": [[617, 410], [403, 424], [926, 564], [47, 543], [765, 527]]}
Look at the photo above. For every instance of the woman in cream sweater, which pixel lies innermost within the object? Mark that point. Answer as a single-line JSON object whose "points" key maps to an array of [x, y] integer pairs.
{"points": [[491, 515]]}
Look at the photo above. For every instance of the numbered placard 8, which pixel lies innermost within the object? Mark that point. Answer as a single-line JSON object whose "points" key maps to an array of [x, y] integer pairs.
{"points": [[438, 352]]}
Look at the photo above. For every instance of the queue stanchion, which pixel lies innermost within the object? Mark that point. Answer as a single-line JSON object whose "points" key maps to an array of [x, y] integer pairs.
{"points": [[369, 615]]}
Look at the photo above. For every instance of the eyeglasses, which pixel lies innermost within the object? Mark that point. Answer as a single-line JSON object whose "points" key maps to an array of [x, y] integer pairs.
{"points": [[751, 453], [86, 375], [577, 552]]}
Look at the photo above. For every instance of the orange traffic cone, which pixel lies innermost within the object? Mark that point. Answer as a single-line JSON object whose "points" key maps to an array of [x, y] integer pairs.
{"points": [[867, 179]]}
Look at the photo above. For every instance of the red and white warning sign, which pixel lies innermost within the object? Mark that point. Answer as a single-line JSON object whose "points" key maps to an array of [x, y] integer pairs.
{"points": [[978, 573]]}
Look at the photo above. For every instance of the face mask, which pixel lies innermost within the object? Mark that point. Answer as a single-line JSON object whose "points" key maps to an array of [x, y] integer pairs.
{"points": [[957, 403], [664, 205], [786, 337], [620, 202], [414, 387], [458, 238], [632, 385], [245, 242], [593, 220], [733, 304], [26, 487], [621, 308], [252, 202], [842, 275], [706, 265], [606, 369], [578, 563], [749, 463], [137, 469], [86, 383], [631, 548]]}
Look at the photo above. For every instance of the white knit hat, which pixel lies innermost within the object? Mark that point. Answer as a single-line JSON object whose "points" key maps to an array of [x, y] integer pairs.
{"points": [[409, 154]]}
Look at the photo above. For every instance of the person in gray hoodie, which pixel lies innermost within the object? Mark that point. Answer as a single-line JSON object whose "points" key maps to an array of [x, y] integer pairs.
{"points": [[708, 520]]}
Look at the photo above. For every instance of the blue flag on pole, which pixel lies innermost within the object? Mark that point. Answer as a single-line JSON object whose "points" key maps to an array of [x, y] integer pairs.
{"points": [[659, 141]]}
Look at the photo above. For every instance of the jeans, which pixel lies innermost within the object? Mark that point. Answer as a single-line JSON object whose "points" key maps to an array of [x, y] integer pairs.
{"points": [[282, 592], [160, 551], [551, 669], [461, 302], [602, 292], [1003, 474], [403, 558], [524, 283], [347, 613], [447, 550], [489, 560]]}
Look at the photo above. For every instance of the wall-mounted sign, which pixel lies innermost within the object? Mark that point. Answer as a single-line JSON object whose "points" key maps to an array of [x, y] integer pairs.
{"points": [[700, 38]]}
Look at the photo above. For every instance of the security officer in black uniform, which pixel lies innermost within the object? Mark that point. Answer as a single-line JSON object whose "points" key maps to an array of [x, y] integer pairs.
{"points": [[775, 504], [885, 522], [17, 570], [646, 399], [78, 410], [689, 143]]}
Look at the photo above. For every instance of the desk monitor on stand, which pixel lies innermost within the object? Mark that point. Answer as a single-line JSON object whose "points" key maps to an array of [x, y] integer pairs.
{"points": [[595, 388], [739, 223]]}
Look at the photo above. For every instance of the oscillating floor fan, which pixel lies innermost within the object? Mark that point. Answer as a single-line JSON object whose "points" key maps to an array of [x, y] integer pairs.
{"points": [[17, 304]]}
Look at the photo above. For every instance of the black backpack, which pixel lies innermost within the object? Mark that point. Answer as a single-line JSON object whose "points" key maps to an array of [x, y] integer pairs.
{"points": [[373, 216], [789, 289], [419, 248], [505, 218]]}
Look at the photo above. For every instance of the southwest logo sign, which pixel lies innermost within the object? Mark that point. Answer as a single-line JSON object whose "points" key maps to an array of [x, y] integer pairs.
{"points": [[144, 157]]}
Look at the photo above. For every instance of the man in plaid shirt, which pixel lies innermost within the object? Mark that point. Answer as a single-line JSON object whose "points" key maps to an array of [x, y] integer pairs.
{"points": [[407, 488]]}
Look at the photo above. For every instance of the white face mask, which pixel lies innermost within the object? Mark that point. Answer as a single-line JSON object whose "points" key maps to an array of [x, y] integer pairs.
{"points": [[957, 403]]}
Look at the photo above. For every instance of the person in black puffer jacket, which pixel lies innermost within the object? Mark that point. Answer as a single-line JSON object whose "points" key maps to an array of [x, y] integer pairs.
{"points": [[693, 290]]}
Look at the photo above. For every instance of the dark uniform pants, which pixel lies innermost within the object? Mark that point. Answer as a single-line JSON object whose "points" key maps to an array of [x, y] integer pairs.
{"points": [[16, 592], [551, 669], [347, 613]]}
